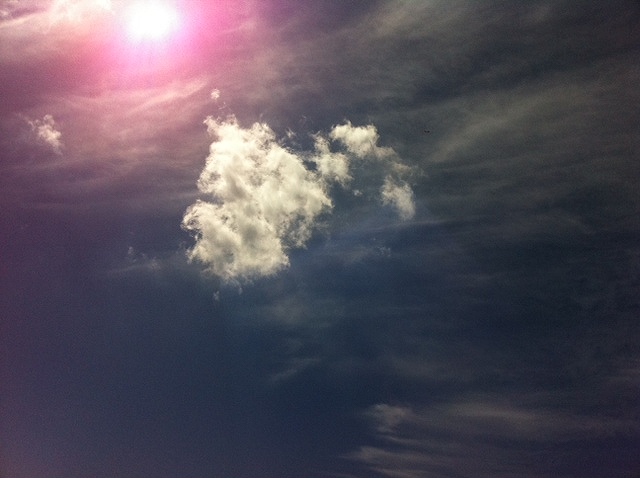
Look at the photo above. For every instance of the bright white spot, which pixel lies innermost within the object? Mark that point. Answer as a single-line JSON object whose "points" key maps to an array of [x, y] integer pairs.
{"points": [[151, 20]]}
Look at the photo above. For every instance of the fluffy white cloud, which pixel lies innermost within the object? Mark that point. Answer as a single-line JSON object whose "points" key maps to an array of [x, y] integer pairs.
{"points": [[264, 200], [46, 132]]}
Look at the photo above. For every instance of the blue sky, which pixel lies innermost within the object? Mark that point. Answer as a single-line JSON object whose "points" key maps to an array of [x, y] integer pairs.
{"points": [[320, 239]]}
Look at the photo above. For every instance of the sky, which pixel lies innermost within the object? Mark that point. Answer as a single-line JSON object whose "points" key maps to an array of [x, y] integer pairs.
{"points": [[304, 239]]}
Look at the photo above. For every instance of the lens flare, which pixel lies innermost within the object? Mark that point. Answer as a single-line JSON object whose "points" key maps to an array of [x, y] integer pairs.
{"points": [[151, 20]]}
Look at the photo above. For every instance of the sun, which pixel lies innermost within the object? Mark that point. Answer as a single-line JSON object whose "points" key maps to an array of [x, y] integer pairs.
{"points": [[151, 20]]}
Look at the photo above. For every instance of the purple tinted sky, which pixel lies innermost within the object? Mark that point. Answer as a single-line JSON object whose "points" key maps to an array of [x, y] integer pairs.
{"points": [[466, 307]]}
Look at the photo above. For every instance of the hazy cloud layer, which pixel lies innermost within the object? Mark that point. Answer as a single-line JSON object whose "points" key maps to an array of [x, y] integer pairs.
{"points": [[266, 199]]}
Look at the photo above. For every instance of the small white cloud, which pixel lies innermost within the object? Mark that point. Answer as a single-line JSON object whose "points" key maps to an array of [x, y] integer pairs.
{"points": [[399, 195], [46, 132], [360, 141], [215, 95]]}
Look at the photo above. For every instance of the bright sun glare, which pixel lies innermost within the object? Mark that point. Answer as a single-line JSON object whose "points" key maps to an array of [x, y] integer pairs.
{"points": [[151, 20]]}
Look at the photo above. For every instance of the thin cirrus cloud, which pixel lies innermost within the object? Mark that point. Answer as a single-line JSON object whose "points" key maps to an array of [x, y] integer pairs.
{"points": [[265, 199], [469, 436]]}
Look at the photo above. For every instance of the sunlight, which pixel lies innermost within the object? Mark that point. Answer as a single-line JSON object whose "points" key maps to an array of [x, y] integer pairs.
{"points": [[151, 20]]}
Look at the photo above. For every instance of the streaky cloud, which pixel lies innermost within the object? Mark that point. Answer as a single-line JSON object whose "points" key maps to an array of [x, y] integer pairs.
{"points": [[463, 436], [76, 11]]}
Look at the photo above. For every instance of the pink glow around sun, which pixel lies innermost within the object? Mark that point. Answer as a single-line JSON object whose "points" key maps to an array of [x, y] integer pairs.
{"points": [[151, 20]]}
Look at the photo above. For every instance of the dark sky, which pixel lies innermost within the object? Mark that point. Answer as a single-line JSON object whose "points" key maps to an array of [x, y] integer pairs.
{"points": [[320, 239]]}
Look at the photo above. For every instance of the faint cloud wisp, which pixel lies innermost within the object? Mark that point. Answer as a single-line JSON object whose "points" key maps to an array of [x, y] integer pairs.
{"points": [[484, 438], [399, 195]]}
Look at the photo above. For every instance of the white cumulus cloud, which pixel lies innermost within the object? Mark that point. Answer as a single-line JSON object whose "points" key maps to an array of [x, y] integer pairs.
{"points": [[264, 202], [264, 199], [46, 132]]}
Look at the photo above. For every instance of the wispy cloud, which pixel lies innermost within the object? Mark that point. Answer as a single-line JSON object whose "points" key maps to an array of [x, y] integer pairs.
{"points": [[486, 437], [46, 132], [77, 10], [266, 199], [400, 196]]}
